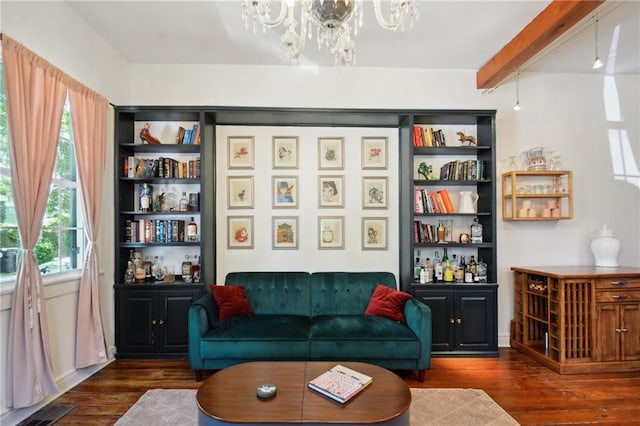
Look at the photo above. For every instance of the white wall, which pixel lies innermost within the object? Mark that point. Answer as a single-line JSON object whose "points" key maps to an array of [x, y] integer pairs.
{"points": [[565, 112]]}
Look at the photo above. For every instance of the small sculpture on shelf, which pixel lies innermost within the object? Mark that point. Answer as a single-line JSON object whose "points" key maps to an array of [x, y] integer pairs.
{"points": [[426, 171], [146, 136], [466, 138]]}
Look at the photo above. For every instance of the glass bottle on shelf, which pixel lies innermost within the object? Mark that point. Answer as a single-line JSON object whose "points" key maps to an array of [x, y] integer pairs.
{"points": [[474, 267], [145, 198], [186, 269], [184, 203], [192, 230], [476, 231], [437, 267], [441, 232], [417, 267], [195, 269], [482, 272], [448, 272], [428, 270]]}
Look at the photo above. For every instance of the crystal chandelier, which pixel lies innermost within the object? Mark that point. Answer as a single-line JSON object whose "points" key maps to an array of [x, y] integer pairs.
{"points": [[337, 23]]}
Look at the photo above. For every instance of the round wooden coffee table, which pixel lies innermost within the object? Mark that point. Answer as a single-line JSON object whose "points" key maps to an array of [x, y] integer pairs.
{"points": [[228, 397]]}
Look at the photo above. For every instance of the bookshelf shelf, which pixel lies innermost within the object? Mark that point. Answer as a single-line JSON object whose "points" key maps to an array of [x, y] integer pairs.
{"points": [[537, 195]]}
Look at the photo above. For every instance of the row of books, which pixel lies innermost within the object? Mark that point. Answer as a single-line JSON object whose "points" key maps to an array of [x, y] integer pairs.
{"points": [[163, 167], [464, 170], [437, 202], [154, 231], [426, 136], [424, 232], [188, 136]]}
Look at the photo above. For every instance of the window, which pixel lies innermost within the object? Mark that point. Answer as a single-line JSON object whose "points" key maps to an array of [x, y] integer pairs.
{"points": [[62, 240]]}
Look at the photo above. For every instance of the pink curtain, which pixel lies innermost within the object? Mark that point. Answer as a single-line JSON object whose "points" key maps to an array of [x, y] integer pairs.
{"points": [[89, 123], [35, 99]]}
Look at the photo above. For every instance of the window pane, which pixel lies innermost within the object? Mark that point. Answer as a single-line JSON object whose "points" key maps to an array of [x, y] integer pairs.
{"points": [[46, 251], [52, 212], [4, 130], [71, 249], [67, 199], [65, 161]]}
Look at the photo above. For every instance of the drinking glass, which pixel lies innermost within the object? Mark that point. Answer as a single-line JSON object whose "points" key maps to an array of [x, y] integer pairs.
{"points": [[557, 163]]}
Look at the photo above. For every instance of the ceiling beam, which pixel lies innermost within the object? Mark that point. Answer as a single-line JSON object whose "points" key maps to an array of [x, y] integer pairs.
{"points": [[551, 23]]}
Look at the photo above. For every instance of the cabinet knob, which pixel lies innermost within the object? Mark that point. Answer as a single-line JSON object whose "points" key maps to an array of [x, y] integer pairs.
{"points": [[154, 322], [621, 330], [459, 321], [161, 322], [618, 297], [452, 321], [620, 283]]}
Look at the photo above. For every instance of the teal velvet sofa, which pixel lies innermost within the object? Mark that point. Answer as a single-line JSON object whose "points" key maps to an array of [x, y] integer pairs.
{"points": [[300, 316]]}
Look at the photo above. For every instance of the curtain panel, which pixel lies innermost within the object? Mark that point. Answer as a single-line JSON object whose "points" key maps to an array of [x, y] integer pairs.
{"points": [[35, 92]]}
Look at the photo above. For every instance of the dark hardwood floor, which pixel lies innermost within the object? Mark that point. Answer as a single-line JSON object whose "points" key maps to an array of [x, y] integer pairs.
{"points": [[531, 393]]}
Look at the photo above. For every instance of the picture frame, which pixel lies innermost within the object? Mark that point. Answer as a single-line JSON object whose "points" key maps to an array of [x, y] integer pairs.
{"points": [[285, 191], [374, 192], [285, 152], [284, 232], [374, 233], [239, 232], [240, 152], [331, 153], [330, 232], [240, 192], [374, 152], [330, 191]]}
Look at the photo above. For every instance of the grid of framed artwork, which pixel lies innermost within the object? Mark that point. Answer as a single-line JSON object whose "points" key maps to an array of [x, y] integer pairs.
{"points": [[330, 190]]}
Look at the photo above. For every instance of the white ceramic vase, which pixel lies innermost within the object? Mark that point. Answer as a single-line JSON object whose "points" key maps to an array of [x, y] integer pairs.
{"points": [[605, 249]]}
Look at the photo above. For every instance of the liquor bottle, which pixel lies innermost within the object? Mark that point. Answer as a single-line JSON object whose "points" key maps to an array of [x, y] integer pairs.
{"points": [[184, 203], [445, 256], [442, 232], [192, 230], [460, 271], [474, 267], [195, 269], [437, 267], [476, 231], [482, 272], [448, 272], [145, 198], [423, 276], [417, 268], [186, 269], [428, 270], [468, 275], [129, 274]]}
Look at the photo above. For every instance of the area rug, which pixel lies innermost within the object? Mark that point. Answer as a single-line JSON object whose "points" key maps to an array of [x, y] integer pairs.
{"points": [[442, 407]]}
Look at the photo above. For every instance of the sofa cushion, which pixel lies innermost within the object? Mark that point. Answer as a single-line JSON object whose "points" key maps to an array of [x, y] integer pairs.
{"points": [[259, 337], [361, 337], [231, 301], [345, 293], [389, 303]]}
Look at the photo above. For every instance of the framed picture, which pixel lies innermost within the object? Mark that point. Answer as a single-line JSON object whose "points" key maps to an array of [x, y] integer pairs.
{"points": [[330, 153], [374, 193], [374, 233], [285, 232], [330, 191], [285, 152], [240, 232], [240, 152], [374, 152], [285, 191], [240, 192], [331, 232]]}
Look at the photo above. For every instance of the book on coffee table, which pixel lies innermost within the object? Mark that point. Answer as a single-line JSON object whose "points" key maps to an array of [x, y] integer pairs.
{"points": [[340, 383]]}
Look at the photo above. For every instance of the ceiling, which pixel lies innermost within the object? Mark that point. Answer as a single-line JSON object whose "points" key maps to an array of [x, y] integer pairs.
{"points": [[448, 35]]}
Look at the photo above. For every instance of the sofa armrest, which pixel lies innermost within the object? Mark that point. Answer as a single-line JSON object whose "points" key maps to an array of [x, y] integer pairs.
{"points": [[418, 316], [198, 326]]}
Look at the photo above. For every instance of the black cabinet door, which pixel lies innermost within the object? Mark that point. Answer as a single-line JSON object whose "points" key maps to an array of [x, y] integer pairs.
{"points": [[475, 320], [441, 303], [173, 332], [135, 311]]}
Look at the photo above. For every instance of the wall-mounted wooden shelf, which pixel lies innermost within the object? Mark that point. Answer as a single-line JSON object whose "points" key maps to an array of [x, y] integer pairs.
{"points": [[537, 196]]}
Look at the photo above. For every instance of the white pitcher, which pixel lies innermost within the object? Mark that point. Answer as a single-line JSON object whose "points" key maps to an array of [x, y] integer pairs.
{"points": [[467, 202]]}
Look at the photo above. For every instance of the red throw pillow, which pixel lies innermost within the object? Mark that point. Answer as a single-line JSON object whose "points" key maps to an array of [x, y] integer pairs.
{"points": [[388, 302], [231, 301]]}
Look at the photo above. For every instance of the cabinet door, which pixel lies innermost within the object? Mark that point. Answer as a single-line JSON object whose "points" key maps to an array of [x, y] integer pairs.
{"points": [[630, 332], [172, 326], [606, 335], [475, 320], [135, 328], [442, 318]]}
